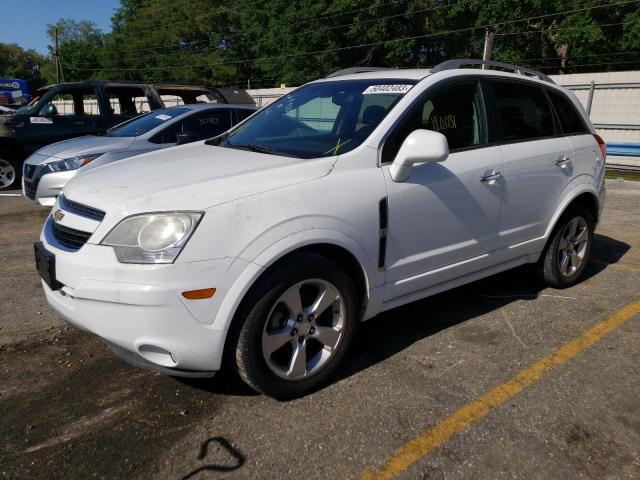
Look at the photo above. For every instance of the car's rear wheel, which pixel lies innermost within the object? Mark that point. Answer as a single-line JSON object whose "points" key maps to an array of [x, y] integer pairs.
{"points": [[295, 327], [567, 254], [9, 174]]}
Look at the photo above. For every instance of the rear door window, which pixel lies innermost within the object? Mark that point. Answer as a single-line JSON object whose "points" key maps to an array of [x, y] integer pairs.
{"points": [[523, 111], [570, 120], [127, 101], [208, 124]]}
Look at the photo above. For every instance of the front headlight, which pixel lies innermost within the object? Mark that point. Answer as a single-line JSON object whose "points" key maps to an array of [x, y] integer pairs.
{"points": [[72, 163], [152, 237]]}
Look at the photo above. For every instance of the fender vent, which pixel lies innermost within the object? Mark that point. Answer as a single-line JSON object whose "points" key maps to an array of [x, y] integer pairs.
{"points": [[384, 223]]}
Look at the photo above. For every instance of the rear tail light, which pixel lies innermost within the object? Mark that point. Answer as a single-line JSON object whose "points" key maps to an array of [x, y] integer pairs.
{"points": [[603, 146]]}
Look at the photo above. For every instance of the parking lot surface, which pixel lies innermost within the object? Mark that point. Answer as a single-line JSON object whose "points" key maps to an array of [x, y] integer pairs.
{"points": [[498, 379]]}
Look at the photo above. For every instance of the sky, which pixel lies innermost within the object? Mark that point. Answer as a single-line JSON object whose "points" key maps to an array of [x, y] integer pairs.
{"points": [[25, 21]]}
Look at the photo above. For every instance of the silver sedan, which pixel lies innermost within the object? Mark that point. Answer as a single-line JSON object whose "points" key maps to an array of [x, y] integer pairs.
{"points": [[50, 168]]}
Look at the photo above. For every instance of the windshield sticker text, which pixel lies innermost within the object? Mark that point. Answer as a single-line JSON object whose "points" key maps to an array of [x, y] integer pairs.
{"points": [[443, 122], [208, 121], [40, 120], [382, 89]]}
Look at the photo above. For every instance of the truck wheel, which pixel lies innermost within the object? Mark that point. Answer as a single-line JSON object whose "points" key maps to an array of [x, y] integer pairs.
{"points": [[295, 326], [568, 251], [10, 173]]}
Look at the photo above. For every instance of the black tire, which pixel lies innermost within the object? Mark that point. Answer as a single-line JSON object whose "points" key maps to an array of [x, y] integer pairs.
{"points": [[10, 170], [550, 263], [244, 348]]}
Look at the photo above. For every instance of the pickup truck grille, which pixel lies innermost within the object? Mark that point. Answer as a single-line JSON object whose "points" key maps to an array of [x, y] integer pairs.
{"points": [[70, 237]]}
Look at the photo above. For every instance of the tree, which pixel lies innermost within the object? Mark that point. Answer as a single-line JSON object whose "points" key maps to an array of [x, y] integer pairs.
{"points": [[16, 62], [293, 41], [79, 43]]}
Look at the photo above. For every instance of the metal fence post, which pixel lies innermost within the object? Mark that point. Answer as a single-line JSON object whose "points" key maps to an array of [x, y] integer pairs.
{"points": [[590, 99]]}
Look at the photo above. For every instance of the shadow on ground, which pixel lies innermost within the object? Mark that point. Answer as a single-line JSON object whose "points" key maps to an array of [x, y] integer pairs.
{"points": [[391, 332]]}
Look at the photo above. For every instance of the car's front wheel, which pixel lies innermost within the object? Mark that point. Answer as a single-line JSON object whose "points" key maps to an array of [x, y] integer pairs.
{"points": [[9, 174], [567, 254], [295, 326]]}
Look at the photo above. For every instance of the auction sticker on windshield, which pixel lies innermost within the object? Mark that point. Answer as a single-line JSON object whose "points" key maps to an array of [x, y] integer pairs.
{"points": [[387, 89], [40, 120]]}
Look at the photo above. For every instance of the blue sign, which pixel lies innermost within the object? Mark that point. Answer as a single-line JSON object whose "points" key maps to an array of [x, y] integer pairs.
{"points": [[14, 91]]}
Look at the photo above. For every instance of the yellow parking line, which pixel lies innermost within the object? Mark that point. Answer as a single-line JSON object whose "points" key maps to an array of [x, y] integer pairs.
{"points": [[430, 439]]}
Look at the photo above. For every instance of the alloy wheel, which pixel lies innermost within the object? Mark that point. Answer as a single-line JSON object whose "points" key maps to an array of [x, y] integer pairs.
{"points": [[572, 247], [303, 329], [7, 173]]}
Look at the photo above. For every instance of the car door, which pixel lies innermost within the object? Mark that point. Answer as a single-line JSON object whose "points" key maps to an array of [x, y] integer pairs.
{"points": [[538, 162], [66, 113], [443, 220], [587, 156]]}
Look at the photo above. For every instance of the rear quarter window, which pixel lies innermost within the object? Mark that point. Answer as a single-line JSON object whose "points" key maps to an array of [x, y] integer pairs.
{"points": [[523, 111], [570, 120]]}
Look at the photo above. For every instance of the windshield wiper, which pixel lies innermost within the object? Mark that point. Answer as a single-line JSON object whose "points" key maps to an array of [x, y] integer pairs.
{"points": [[262, 149]]}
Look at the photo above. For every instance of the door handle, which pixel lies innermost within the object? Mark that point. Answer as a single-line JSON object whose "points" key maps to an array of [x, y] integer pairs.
{"points": [[492, 177], [563, 162]]}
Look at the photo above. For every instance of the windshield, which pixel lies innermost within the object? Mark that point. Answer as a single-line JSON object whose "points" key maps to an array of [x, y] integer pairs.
{"points": [[320, 119], [145, 123], [30, 107]]}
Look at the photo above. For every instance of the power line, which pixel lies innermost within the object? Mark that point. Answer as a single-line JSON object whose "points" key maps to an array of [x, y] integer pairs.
{"points": [[205, 14], [315, 30], [593, 64], [601, 25], [606, 54], [369, 44], [323, 17]]}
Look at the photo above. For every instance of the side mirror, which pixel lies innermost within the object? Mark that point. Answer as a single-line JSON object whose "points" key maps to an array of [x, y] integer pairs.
{"points": [[421, 146], [49, 110], [185, 137]]}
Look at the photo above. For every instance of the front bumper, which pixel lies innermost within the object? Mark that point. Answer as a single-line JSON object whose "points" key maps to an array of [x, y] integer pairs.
{"points": [[139, 311], [46, 188]]}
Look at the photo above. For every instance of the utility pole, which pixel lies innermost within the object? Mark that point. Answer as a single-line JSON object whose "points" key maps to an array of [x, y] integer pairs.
{"points": [[488, 46], [57, 58]]}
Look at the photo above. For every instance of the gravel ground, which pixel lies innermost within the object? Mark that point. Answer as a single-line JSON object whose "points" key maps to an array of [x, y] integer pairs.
{"points": [[70, 409]]}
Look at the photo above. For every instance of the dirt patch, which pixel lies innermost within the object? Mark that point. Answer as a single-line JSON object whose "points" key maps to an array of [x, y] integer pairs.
{"points": [[89, 414]]}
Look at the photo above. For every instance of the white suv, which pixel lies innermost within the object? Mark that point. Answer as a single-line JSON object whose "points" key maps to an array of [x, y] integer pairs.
{"points": [[349, 196]]}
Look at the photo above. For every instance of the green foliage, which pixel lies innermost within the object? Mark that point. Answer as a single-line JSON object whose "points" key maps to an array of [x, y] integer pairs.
{"points": [[16, 62], [79, 43], [270, 42]]}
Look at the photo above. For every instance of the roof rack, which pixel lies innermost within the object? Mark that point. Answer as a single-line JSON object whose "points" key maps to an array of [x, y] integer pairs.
{"points": [[459, 62], [352, 70]]}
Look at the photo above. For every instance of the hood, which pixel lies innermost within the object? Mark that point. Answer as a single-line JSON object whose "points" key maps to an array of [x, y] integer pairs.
{"points": [[85, 146], [189, 177]]}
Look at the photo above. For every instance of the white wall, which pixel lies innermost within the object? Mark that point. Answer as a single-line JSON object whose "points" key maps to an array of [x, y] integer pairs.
{"points": [[613, 106]]}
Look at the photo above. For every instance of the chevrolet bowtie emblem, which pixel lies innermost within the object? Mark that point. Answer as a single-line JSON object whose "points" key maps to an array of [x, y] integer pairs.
{"points": [[58, 215]]}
